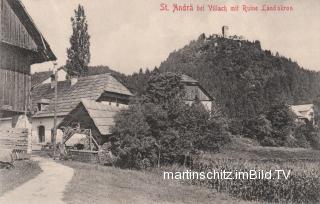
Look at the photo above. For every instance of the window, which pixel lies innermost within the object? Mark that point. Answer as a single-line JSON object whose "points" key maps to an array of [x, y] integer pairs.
{"points": [[117, 102], [41, 133], [39, 106], [42, 106]]}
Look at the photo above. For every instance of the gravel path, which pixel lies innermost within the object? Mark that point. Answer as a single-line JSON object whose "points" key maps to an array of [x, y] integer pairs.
{"points": [[46, 188]]}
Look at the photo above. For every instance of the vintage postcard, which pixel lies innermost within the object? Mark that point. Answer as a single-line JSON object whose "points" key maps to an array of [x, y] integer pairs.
{"points": [[159, 101]]}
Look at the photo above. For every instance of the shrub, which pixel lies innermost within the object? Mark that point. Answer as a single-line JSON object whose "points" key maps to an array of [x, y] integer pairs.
{"points": [[160, 128]]}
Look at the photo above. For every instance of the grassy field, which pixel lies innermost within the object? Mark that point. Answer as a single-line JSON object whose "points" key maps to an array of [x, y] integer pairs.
{"points": [[303, 185], [100, 184], [244, 148], [11, 178]]}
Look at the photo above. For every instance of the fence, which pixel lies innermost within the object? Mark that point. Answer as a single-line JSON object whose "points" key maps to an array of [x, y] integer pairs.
{"points": [[16, 141], [84, 156]]}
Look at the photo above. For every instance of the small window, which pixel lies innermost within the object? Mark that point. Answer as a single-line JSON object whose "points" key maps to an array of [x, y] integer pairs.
{"points": [[39, 106], [41, 133], [42, 106]]}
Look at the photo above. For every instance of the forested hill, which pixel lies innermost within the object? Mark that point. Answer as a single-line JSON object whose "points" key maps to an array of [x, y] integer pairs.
{"points": [[244, 79]]}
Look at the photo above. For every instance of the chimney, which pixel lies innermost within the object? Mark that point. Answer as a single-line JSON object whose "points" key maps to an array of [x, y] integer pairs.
{"points": [[225, 31], [74, 80]]}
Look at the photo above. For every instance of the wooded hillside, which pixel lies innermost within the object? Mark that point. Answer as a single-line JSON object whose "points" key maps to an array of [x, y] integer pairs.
{"points": [[244, 79]]}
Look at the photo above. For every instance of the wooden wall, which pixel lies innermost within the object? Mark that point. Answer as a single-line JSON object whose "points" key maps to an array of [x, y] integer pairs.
{"points": [[15, 59], [193, 91], [12, 31], [17, 49], [14, 90]]}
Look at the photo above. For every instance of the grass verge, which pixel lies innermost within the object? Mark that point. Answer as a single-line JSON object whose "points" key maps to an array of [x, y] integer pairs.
{"points": [[11, 178], [99, 184], [244, 148]]}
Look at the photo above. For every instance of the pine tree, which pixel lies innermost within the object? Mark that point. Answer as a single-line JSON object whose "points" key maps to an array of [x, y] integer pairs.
{"points": [[79, 51]]}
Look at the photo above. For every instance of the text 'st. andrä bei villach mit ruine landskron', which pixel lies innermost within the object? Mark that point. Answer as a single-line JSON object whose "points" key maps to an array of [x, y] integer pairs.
{"points": [[246, 8]]}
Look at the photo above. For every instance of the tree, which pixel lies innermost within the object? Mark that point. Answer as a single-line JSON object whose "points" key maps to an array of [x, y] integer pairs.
{"points": [[282, 121], [79, 51], [160, 128], [258, 128]]}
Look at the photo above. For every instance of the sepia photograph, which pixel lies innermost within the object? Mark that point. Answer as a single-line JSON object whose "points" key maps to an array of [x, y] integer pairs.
{"points": [[159, 101]]}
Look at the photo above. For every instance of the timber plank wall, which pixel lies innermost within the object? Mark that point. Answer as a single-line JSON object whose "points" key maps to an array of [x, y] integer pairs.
{"points": [[12, 31], [14, 90]]}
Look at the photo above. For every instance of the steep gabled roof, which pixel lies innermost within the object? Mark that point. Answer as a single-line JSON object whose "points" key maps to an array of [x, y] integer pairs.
{"points": [[90, 87], [190, 81], [92, 114], [101, 114], [44, 53], [187, 79]]}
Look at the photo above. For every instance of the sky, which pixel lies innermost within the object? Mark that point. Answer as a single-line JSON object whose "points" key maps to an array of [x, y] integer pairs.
{"points": [[127, 35]]}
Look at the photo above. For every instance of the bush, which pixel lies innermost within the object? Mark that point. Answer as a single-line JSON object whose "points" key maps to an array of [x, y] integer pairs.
{"points": [[314, 139], [272, 128], [160, 128]]}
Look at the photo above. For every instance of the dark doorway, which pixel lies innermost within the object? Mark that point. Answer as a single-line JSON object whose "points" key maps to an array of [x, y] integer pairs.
{"points": [[41, 133]]}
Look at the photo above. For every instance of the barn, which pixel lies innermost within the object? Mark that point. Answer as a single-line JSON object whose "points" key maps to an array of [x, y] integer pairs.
{"points": [[21, 45]]}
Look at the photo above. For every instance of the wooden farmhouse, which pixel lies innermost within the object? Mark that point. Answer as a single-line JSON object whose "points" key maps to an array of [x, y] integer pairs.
{"points": [[194, 90], [21, 45], [304, 113]]}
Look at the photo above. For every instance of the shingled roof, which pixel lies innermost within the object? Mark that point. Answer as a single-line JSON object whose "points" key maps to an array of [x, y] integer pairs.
{"points": [[101, 115], [39, 77], [90, 87], [185, 79]]}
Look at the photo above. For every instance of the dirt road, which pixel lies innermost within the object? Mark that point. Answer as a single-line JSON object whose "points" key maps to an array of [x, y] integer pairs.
{"points": [[46, 188]]}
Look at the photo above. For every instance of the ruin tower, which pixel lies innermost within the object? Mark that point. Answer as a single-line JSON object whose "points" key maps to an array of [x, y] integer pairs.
{"points": [[225, 32]]}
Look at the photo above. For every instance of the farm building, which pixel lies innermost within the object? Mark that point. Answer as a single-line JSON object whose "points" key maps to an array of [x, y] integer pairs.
{"points": [[46, 77], [304, 113], [96, 116], [21, 45], [102, 88], [194, 90]]}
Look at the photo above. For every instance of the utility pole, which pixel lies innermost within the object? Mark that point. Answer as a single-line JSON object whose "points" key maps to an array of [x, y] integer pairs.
{"points": [[55, 108]]}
